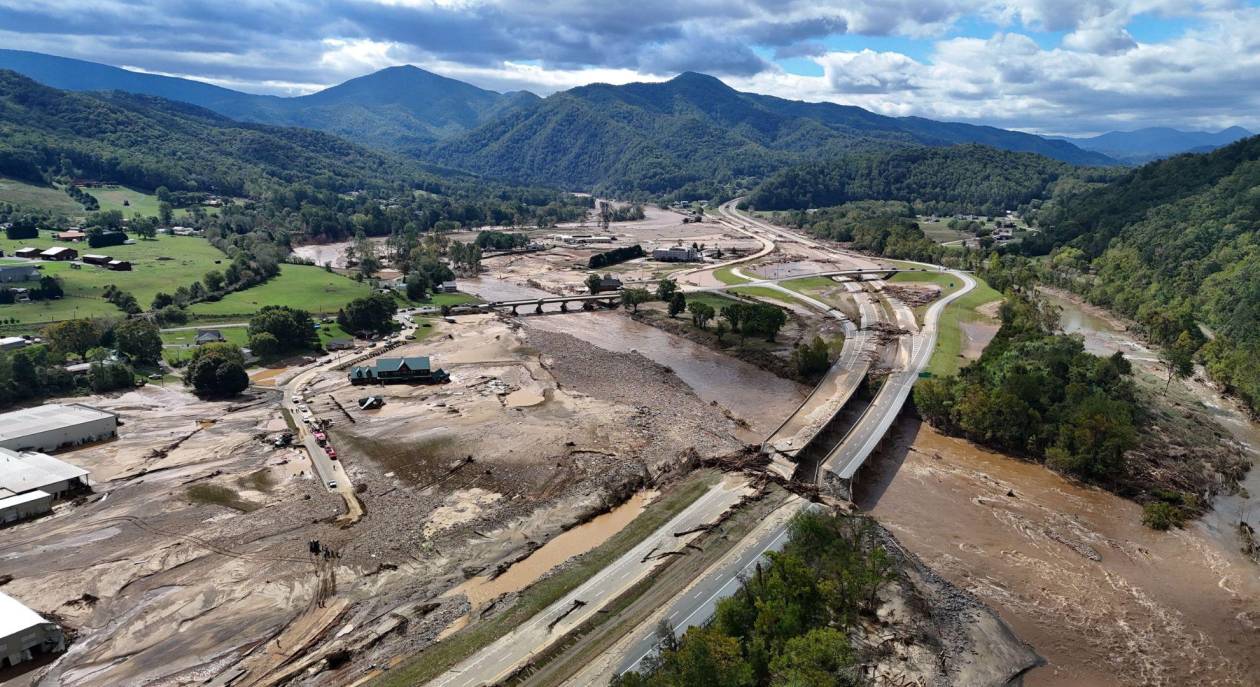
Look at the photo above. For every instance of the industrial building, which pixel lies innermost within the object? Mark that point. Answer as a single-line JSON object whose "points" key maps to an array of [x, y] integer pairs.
{"points": [[22, 472], [13, 270], [52, 426], [24, 633], [676, 254]]}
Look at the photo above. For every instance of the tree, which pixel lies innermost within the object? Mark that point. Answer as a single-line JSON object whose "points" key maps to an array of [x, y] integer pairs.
{"points": [[107, 376], [677, 304], [372, 313], [217, 369], [632, 298], [139, 339], [291, 328], [417, 286], [50, 288], [72, 336], [701, 313], [165, 213], [161, 300], [264, 344], [665, 289], [1179, 358], [811, 359], [145, 227], [593, 282], [213, 281]]}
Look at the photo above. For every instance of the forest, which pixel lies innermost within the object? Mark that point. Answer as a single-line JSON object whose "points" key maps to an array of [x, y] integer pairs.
{"points": [[972, 179], [790, 622], [1175, 246]]}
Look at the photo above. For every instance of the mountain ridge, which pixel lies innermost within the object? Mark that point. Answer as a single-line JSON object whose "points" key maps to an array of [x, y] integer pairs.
{"points": [[1151, 143]]}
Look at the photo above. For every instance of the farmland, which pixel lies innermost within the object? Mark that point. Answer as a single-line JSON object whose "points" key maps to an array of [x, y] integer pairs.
{"points": [[28, 195], [297, 286]]}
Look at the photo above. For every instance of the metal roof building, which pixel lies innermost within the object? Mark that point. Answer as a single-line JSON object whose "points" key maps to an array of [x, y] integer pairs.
{"points": [[24, 632], [53, 426], [23, 506], [25, 471]]}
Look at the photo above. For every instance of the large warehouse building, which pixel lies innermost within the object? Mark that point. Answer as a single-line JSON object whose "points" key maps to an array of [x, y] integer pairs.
{"points": [[51, 427], [24, 633], [31, 481]]}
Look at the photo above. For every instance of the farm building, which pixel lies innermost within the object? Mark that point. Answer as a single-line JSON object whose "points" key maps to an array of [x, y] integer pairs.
{"points": [[95, 259], [119, 265], [205, 336], [71, 235], [59, 253], [410, 370], [17, 270], [11, 343], [22, 472], [52, 426], [26, 252], [24, 633]]}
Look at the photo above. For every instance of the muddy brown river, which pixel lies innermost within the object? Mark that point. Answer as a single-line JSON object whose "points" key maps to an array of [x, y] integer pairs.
{"points": [[1071, 568]]}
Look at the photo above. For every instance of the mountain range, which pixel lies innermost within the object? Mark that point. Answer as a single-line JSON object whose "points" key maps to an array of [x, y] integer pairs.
{"points": [[1153, 143]]}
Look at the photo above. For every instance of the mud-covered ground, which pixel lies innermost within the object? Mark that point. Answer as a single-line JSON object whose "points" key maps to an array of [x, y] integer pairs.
{"points": [[161, 581]]}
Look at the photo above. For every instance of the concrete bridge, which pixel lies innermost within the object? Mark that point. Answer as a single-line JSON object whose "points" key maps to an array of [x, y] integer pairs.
{"points": [[588, 302]]}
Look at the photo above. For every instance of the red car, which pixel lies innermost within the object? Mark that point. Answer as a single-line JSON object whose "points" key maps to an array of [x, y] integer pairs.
{"points": [[321, 437], [332, 452]]}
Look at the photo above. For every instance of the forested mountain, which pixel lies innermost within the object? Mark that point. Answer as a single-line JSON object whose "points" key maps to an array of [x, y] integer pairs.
{"points": [[1144, 145], [399, 108], [693, 129], [148, 142], [963, 178], [1173, 244]]}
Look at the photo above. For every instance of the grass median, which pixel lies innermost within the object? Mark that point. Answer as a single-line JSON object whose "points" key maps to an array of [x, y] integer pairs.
{"points": [[440, 657]]}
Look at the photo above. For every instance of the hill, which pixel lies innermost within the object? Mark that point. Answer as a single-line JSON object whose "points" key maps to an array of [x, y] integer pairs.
{"points": [[1145, 145], [147, 142], [972, 179], [399, 108], [1174, 245], [694, 132]]}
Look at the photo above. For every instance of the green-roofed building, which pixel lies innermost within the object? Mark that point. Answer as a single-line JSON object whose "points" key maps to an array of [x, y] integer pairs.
{"points": [[414, 369]]}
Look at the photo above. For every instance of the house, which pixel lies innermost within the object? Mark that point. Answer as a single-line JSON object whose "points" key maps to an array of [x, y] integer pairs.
{"points": [[71, 235], [676, 254], [340, 344], [59, 253], [205, 336], [410, 370], [448, 287], [94, 259], [13, 270], [119, 265], [26, 252], [25, 633]]}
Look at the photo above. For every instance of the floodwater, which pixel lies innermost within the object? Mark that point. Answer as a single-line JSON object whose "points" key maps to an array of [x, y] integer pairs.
{"points": [[577, 541], [1071, 568], [1103, 336], [748, 392], [492, 289]]}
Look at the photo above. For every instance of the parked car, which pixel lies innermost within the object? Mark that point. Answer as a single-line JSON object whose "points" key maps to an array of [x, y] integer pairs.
{"points": [[303, 407], [321, 437], [332, 485], [332, 452]]}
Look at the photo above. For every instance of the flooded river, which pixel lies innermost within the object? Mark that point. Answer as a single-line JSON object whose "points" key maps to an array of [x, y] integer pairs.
{"points": [[748, 392], [1071, 568]]}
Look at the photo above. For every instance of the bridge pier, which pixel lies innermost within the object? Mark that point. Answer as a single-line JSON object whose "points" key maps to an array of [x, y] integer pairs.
{"points": [[538, 310], [587, 306], [514, 310], [564, 306]]}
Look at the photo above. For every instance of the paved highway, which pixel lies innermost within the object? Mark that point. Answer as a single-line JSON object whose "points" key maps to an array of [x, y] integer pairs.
{"points": [[697, 604]]}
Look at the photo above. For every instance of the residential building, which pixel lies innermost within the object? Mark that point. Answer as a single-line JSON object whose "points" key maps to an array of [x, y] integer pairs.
{"points": [[448, 287], [205, 336], [59, 253], [24, 633], [71, 235], [609, 283], [53, 426], [13, 270], [410, 370]]}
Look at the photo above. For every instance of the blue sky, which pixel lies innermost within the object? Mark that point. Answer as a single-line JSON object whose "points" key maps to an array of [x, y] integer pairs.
{"points": [[1049, 66]]}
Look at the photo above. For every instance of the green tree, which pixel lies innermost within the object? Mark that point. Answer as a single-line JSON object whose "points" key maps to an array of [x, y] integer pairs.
{"points": [[372, 313], [665, 289], [701, 313], [213, 281], [264, 344], [216, 369], [292, 328], [417, 286], [139, 339], [677, 304], [593, 282], [166, 213], [811, 359], [72, 336], [633, 298]]}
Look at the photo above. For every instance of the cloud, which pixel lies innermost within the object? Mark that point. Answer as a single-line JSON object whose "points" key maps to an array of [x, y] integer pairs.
{"points": [[1047, 65]]}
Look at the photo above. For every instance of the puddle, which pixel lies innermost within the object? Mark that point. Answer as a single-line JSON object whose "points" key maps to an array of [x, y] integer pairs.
{"points": [[561, 548], [524, 398]]}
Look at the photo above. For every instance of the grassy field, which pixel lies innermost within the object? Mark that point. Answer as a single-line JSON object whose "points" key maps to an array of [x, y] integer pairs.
{"points": [[159, 265], [441, 656], [949, 340], [805, 284], [451, 299], [297, 286], [715, 300], [31, 196], [940, 232], [726, 276]]}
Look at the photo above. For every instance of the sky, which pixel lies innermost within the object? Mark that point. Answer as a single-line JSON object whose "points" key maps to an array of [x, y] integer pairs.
{"points": [[1047, 66]]}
